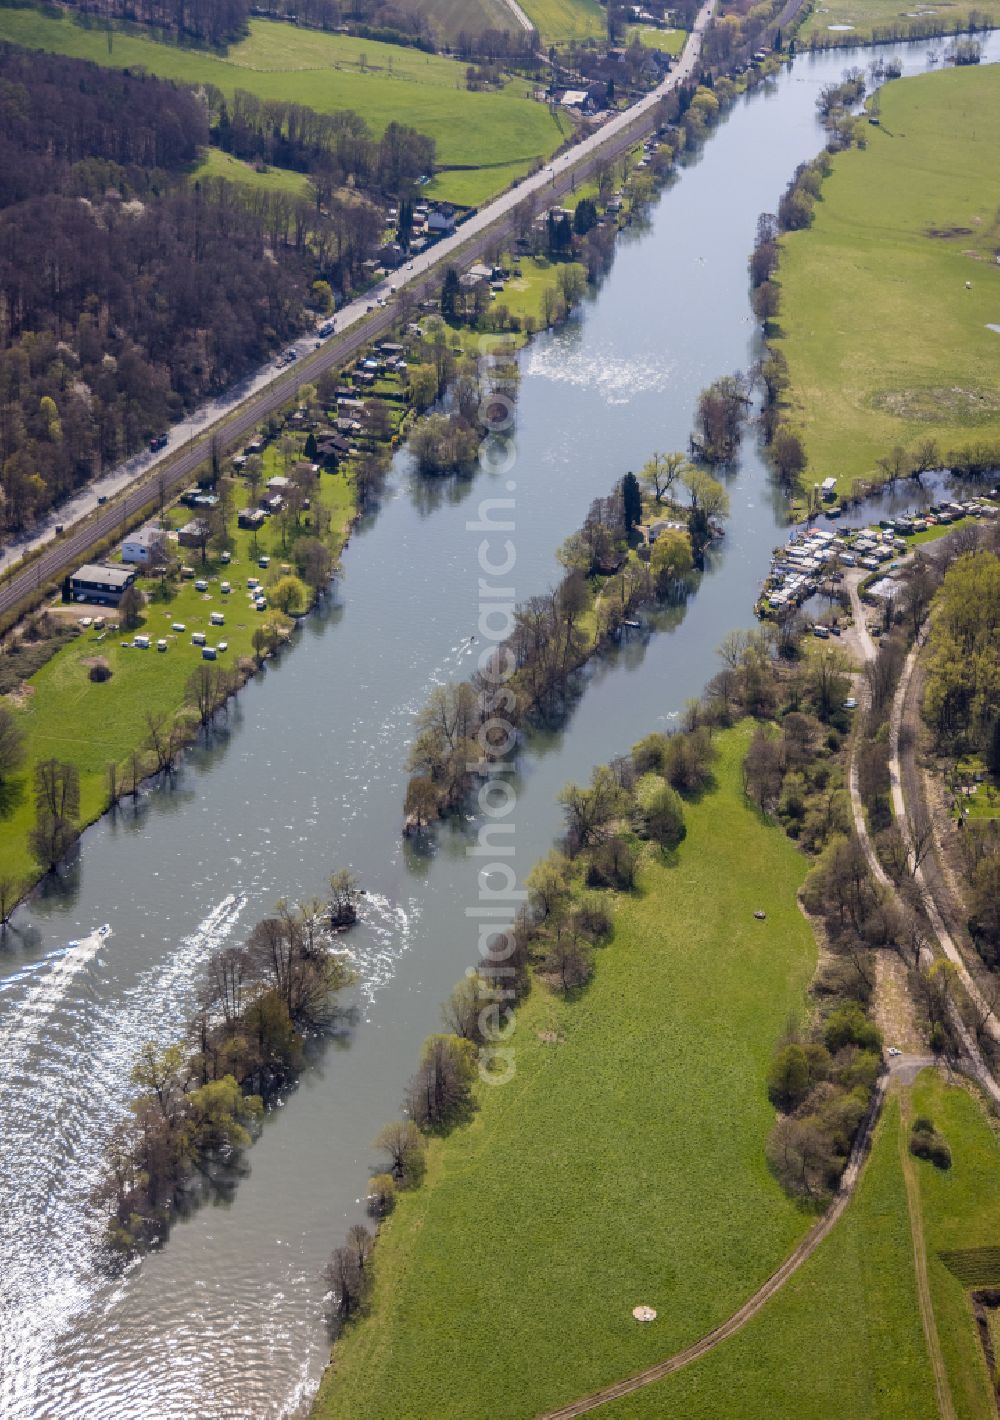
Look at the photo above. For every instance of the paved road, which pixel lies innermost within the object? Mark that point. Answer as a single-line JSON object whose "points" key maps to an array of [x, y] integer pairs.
{"points": [[148, 478]]}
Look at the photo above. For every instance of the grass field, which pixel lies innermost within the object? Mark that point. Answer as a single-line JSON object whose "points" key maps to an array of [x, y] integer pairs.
{"points": [[624, 1163], [70, 717], [961, 1209], [448, 18], [885, 344], [864, 16], [557, 20], [217, 164], [842, 1340], [670, 41], [382, 82], [471, 187]]}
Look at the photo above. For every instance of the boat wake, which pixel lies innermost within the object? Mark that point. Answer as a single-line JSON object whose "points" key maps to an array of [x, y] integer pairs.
{"points": [[75, 1043], [43, 997]]}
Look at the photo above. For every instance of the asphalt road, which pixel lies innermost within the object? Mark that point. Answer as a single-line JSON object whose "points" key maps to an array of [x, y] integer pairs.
{"points": [[148, 479]]}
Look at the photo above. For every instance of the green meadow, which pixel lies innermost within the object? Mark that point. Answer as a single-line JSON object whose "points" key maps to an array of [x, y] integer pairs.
{"points": [[68, 716], [670, 41], [865, 16], [842, 1340], [961, 1212], [560, 20], [623, 1164], [448, 18], [217, 164], [384, 83], [885, 341]]}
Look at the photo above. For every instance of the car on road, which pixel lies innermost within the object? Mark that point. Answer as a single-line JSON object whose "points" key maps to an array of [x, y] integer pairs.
{"points": [[326, 329], [102, 500], [894, 1051], [159, 442], [850, 703]]}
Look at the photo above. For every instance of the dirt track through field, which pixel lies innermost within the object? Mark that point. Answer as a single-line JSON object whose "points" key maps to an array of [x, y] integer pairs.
{"points": [[946, 1408], [764, 1293]]}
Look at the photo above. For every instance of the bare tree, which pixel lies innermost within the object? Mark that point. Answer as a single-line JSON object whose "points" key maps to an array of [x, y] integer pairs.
{"points": [[405, 1145], [10, 890]]}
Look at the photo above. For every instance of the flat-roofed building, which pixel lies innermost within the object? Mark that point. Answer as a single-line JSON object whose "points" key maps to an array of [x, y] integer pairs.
{"points": [[96, 583]]}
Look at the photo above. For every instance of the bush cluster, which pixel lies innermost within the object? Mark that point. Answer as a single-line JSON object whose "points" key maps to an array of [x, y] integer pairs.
{"points": [[927, 1143], [199, 1105]]}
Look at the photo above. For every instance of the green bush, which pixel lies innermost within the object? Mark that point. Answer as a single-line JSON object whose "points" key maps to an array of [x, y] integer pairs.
{"points": [[848, 1025], [927, 1143]]}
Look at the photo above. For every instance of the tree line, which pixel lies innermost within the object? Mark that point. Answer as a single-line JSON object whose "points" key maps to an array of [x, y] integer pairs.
{"points": [[529, 677], [220, 22], [796, 210], [961, 706], [335, 148], [553, 939], [213, 22], [126, 295], [200, 1103]]}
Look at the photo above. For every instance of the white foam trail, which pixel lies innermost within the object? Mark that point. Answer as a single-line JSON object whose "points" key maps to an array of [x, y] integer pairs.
{"points": [[615, 379], [54, 1154], [388, 929], [42, 999]]}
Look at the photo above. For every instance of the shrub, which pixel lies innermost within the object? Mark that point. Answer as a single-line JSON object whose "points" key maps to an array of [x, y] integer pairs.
{"points": [[648, 755], [592, 919], [100, 670], [848, 1025], [927, 1143], [130, 608], [440, 1091], [613, 864], [687, 760], [788, 1079], [381, 1195], [660, 813], [568, 960], [405, 1145]]}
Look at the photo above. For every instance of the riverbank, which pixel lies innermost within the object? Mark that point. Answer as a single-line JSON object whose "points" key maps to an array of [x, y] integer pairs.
{"points": [[308, 769], [103, 727], [571, 1229], [903, 238], [532, 295], [836, 24], [625, 559]]}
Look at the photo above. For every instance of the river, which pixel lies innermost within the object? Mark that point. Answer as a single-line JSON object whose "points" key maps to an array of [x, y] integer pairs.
{"points": [[226, 1320]]}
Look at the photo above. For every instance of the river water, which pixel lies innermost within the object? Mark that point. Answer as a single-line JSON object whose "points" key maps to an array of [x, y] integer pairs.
{"points": [[226, 1320]]}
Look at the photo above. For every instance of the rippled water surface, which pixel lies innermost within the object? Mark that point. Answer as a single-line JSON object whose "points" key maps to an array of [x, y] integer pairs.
{"points": [[309, 775]]}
